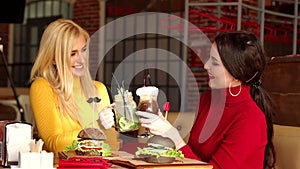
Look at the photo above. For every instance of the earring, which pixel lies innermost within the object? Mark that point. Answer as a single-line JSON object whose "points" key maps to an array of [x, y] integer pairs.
{"points": [[234, 95]]}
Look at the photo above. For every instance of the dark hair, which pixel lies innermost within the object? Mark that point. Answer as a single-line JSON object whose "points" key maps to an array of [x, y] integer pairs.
{"points": [[244, 58]]}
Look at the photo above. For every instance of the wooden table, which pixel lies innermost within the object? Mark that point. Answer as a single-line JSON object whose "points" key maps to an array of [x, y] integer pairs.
{"points": [[140, 165]]}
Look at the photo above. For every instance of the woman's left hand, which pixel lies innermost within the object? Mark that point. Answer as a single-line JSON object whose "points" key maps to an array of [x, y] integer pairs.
{"points": [[159, 126]]}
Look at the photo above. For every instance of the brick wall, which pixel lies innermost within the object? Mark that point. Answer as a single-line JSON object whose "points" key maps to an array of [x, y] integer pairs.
{"points": [[86, 13]]}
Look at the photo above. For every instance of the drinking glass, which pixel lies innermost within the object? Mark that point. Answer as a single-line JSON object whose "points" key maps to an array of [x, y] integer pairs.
{"points": [[125, 108], [147, 103]]}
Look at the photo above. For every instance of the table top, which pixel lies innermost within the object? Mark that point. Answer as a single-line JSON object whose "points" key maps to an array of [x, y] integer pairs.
{"points": [[122, 160], [6, 93], [115, 166]]}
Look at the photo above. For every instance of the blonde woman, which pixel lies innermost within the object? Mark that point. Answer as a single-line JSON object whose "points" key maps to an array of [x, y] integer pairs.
{"points": [[61, 86]]}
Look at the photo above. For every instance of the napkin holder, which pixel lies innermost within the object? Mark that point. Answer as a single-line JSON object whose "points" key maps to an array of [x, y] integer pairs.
{"points": [[35, 160], [14, 137]]}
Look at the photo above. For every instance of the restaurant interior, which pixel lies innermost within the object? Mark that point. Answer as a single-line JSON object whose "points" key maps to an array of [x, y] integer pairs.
{"points": [[275, 22]]}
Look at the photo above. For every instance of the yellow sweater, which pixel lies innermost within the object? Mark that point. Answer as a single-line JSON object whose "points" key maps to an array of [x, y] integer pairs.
{"points": [[58, 131]]}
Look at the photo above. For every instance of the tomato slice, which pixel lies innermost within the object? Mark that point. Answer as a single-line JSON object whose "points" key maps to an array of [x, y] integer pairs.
{"points": [[88, 148], [85, 148]]}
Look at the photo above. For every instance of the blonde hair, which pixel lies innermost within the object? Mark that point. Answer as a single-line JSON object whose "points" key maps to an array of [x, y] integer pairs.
{"points": [[53, 64]]}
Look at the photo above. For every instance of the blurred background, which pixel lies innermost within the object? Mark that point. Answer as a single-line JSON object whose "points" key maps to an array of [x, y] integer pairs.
{"points": [[22, 22]]}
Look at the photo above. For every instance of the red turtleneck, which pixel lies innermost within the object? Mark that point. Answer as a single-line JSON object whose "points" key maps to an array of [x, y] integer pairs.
{"points": [[232, 135]]}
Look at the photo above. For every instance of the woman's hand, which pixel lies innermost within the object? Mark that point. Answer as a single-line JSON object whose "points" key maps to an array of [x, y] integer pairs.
{"points": [[159, 126], [106, 117]]}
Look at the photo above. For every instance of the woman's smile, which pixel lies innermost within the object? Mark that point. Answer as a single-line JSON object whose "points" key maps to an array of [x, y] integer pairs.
{"points": [[211, 77], [78, 66], [79, 57]]}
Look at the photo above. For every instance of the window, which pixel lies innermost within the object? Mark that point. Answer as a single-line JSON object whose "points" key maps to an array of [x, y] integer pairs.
{"points": [[38, 14], [140, 52]]}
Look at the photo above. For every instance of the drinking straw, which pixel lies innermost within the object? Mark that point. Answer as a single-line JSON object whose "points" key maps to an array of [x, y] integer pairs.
{"points": [[93, 101], [124, 100], [166, 109], [122, 92], [93, 114]]}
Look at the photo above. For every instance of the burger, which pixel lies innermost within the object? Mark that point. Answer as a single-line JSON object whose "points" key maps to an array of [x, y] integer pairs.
{"points": [[159, 149], [90, 142]]}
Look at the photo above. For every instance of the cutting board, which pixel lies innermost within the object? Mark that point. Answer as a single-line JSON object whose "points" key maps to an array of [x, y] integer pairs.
{"points": [[126, 159]]}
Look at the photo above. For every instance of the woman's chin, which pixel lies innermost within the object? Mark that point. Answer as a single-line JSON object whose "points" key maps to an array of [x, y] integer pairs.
{"points": [[211, 85], [78, 72]]}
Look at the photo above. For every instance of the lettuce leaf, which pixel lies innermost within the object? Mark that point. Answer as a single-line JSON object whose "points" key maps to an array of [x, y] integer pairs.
{"points": [[159, 151], [105, 151]]}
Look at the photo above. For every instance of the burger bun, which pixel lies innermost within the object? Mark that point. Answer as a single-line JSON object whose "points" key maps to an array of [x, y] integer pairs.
{"points": [[160, 160], [159, 140], [91, 133], [164, 141]]}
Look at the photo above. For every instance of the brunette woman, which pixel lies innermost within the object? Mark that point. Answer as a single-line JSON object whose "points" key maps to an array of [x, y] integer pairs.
{"points": [[237, 132]]}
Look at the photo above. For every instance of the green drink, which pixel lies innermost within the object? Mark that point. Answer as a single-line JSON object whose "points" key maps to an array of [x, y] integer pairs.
{"points": [[125, 108]]}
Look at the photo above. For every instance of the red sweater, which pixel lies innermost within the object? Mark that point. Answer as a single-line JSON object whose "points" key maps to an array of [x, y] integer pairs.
{"points": [[237, 135]]}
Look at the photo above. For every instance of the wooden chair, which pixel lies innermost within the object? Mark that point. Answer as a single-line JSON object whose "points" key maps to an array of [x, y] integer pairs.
{"points": [[287, 146]]}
